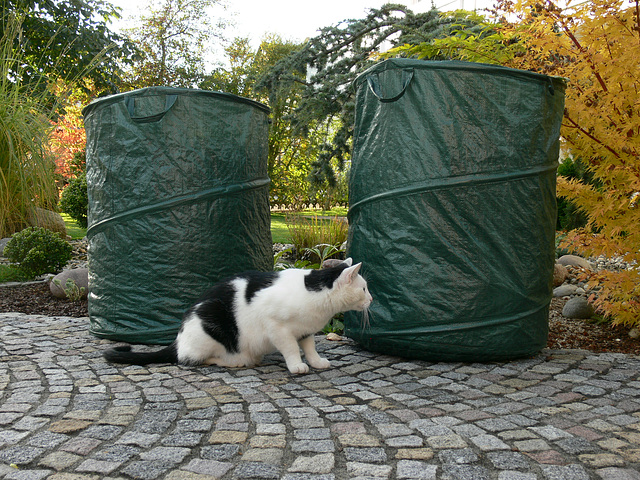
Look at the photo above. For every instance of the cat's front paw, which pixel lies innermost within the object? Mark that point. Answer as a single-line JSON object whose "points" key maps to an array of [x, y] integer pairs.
{"points": [[299, 368], [320, 363]]}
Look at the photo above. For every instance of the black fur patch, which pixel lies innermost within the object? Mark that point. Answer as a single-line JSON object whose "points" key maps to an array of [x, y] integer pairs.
{"points": [[123, 354], [217, 314], [258, 281], [318, 280]]}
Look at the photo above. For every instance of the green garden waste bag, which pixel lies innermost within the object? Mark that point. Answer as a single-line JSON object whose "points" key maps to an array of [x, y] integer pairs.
{"points": [[453, 208], [178, 199]]}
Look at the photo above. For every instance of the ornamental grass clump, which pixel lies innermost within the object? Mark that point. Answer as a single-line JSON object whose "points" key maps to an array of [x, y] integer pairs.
{"points": [[37, 251], [26, 168], [307, 233]]}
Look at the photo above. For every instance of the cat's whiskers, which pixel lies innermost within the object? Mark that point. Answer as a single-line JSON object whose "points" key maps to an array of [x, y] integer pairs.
{"points": [[366, 324]]}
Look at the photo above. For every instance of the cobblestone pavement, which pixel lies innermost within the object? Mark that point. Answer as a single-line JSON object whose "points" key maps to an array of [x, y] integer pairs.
{"points": [[66, 414]]}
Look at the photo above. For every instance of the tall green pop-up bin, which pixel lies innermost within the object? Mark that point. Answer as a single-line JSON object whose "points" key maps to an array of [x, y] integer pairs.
{"points": [[453, 209], [178, 198]]}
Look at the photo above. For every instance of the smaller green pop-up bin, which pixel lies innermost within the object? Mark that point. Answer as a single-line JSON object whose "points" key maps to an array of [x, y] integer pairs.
{"points": [[453, 208], [178, 198]]}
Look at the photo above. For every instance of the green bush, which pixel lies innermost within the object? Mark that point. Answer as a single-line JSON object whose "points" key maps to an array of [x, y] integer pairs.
{"points": [[78, 163], [569, 215], [74, 200], [38, 251]]}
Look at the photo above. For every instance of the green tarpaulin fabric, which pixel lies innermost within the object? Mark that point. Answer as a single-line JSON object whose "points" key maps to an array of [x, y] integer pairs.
{"points": [[453, 209], [178, 199]]}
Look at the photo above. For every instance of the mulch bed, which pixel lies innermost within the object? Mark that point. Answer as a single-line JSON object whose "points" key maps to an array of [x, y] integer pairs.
{"points": [[564, 333], [36, 299], [587, 334]]}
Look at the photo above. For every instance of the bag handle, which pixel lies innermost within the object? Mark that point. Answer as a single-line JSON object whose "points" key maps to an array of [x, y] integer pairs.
{"points": [[374, 84], [130, 103]]}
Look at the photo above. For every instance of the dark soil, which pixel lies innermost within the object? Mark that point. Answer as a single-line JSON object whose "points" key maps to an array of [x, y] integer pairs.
{"points": [[588, 334], [36, 299], [563, 332]]}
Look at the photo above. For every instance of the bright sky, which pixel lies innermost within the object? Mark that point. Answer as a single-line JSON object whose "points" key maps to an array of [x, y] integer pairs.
{"points": [[297, 20]]}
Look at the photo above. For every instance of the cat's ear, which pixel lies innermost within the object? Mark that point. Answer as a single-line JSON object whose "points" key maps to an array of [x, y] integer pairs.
{"points": [[349, 274], [355, 269], [348, 261]]}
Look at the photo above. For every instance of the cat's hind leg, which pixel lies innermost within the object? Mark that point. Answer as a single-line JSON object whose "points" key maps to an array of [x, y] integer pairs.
{"points": [[194, 346], [308, 345]]}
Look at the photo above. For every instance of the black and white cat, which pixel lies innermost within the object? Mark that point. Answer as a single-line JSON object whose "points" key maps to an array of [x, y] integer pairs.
{"points": [[252, 314]]}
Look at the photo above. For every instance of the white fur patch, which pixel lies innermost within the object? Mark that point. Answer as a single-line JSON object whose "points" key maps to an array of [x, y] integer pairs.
{"points": [[194, 344]]}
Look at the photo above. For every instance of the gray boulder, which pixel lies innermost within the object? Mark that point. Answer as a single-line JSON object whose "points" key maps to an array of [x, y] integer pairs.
{"points": [[575, 261], [565, 290], [3, 243], [577, 307], [79, 277]]}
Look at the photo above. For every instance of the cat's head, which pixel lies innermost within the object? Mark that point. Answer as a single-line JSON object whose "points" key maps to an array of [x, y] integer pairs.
{"points": [[353, 288]]}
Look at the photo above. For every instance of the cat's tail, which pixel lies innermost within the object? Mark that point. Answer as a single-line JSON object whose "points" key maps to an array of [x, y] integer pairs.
{"points": [[124, 354]]}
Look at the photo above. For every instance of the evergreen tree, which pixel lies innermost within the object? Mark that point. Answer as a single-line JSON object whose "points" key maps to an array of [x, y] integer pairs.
{"points": [[327, 64]]}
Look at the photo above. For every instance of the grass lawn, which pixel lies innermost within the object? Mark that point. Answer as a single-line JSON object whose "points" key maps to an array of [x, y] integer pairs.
{"points": [[334, 212], [279, 230], [73, 229]]}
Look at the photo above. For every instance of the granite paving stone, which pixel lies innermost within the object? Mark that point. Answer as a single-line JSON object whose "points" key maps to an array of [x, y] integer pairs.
{"points": [[66, 414], [307, 476], [256, 470], [406, 441], [415, 470], [366, 454], [516, 475], [508, 460], [97, 466], [465, 472], [489, 442], [59, 460], [565, 472], [458, 456], [613, 473], [28, 474]]}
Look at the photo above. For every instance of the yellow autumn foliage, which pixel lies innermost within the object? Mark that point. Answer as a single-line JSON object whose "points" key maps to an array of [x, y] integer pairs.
{"points": [[596, 45]]}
